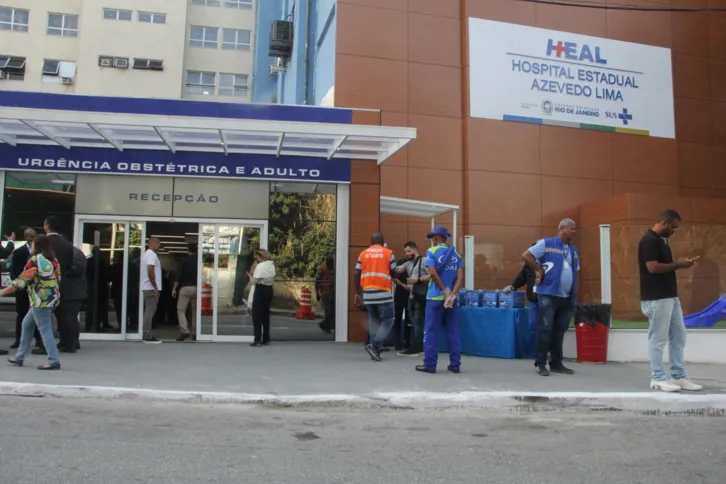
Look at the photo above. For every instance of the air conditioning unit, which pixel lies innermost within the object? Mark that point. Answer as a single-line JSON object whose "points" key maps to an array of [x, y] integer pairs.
{"points": [[105, 61], [67, 81], [281, 38], [121, 63], [280, 65]]}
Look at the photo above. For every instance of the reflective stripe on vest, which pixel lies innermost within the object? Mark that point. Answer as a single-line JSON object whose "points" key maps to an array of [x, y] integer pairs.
{"points": [[376, 269]]}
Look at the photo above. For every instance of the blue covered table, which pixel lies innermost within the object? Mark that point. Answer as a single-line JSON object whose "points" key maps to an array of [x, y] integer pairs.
{"points": [[494, 333]]}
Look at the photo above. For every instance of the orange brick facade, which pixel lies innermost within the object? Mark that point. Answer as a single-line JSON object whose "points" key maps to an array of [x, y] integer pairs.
{"points": [[514, 182]]}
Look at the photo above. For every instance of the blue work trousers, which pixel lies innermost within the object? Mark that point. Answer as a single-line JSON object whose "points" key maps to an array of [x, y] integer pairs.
{"points": [[437, 318]]}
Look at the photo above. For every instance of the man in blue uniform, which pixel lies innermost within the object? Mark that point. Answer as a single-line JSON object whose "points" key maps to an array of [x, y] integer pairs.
{"points": [[447, 276], [556, 262]]}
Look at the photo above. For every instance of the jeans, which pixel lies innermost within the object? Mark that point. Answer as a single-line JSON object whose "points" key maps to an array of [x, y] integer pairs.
{"points": [[666, 325], [43, 319], [151, 302], [437, 318], [380, 320], [417, 312], [329, 309], [555, 314]]}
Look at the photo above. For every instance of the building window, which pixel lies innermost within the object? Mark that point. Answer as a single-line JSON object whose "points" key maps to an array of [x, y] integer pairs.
{"points": [[238, 3], [236, 39], [201, 82], [203, 36], [63, 24], [114, 14], [233, 85], [209, 3], [12, 68], [149, 64], [152, 18], [51, 67], [14, 19], [115, 62]]}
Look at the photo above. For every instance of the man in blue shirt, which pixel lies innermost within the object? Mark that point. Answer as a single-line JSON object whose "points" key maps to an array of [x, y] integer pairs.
{"points": [[556, 262], [447, 276]]}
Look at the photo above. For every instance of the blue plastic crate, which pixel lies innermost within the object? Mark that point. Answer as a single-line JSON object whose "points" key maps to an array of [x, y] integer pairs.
{"points": [[488, 299], [515, 299]]}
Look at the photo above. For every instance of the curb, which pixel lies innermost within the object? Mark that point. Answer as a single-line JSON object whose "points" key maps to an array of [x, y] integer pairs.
{"points": [[650, 403]]}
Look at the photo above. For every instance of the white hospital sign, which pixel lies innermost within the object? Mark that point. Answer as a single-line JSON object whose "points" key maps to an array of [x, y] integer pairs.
{"points": [[530, 75]]}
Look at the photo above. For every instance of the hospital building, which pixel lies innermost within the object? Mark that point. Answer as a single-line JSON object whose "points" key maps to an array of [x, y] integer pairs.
{"points": [[497, 118]]}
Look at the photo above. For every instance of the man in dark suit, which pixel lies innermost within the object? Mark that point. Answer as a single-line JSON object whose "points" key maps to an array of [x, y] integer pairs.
{"points": [[19, 259], [5, 252], [69, 308]]}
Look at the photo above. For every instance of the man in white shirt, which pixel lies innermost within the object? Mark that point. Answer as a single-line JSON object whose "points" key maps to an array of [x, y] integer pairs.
{"points": [[151, 285]]}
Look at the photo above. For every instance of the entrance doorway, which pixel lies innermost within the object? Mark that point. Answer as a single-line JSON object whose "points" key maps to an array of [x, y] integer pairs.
{"points": [[224, 253]]}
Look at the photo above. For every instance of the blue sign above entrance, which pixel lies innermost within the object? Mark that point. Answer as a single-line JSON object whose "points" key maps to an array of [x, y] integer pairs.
{"points": [[163, 163]]}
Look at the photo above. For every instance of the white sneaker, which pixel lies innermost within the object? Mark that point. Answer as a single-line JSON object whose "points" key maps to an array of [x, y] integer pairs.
{"points": [[687, 384], [664, 385]]}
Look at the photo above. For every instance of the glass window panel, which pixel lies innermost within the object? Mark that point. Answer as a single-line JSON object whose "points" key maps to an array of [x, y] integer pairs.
{"points": [[55, 20]]}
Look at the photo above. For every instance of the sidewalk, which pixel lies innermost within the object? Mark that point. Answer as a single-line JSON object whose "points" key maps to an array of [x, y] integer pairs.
{"points": [[330, 373]]}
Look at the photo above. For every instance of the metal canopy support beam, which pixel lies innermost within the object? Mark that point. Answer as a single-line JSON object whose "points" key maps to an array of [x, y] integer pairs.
{"points": [[223, 140], [169, 144], [116, 144], [45, 132], [9, 139], [279, 144], [336, 146]]}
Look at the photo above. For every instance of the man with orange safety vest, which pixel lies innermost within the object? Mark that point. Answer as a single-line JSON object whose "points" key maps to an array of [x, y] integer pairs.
{"points": [[374, 273]]}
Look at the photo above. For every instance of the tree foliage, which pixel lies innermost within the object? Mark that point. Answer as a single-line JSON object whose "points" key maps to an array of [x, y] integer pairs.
{"points": [[302, 232]]}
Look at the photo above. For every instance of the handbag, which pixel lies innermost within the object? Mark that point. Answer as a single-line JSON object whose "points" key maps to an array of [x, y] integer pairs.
{"points": [[420, 290]]}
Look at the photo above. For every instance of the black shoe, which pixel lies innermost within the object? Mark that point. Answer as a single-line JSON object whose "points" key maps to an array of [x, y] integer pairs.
{"points": [[454, 370], [374, 353], [423, 369], [77, 345], [152, 340], [183, 337], [39, 351], [542, 370], [384, 349], [15, 346], [66, 349], [561, 369], [4, 352], [409, 352]]}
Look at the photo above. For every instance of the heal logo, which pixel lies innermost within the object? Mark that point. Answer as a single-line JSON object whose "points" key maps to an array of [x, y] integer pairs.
{"points": [[575, 52]]}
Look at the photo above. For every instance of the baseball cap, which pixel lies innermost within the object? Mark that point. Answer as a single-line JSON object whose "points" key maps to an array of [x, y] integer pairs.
{"points": [[440, 230]]}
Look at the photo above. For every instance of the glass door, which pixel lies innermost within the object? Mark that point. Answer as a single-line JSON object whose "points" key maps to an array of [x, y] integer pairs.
{"points": [[226, 257], [109, 310]]}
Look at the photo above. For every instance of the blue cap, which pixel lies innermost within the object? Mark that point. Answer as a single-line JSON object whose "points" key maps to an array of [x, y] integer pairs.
{"points": [[440, 230]]}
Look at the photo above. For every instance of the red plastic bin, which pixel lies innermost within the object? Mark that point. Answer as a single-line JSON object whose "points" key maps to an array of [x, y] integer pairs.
{"points": [[592, 342]]}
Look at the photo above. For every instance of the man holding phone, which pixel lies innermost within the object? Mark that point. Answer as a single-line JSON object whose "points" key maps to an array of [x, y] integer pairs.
{"points": [[660, 303]]}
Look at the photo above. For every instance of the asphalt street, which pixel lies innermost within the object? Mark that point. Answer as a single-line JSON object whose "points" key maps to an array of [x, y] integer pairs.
{"points": [[114, 442]]}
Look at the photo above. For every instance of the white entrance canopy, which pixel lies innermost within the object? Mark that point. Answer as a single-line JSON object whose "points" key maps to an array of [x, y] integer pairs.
{"points": [[416, 208], [71, 129]]}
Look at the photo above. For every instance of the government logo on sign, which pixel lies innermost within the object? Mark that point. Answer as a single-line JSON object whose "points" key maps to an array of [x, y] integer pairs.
{"points": [[547, 107], [625, 116]]}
